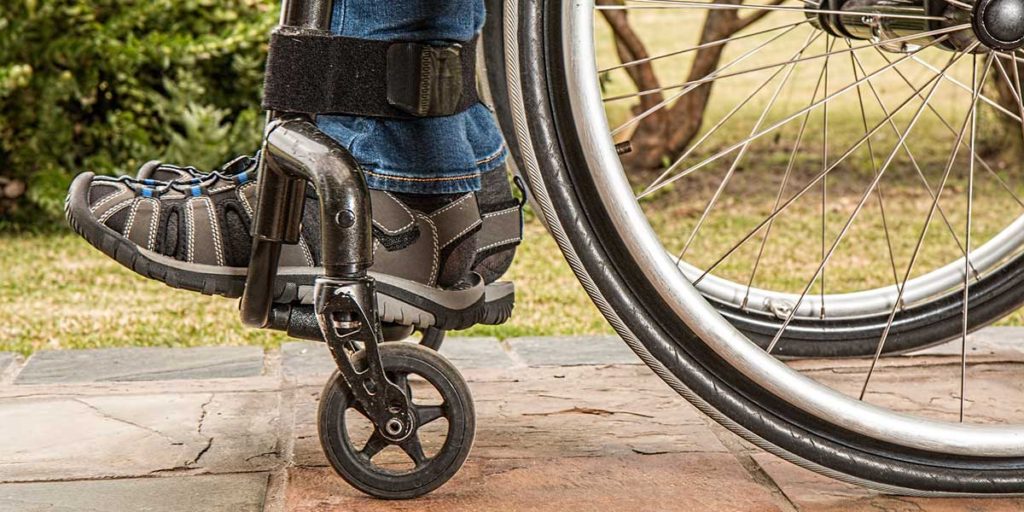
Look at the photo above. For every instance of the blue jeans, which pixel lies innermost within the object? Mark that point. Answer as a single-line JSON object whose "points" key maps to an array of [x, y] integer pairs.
{"points": [[442, 155]]}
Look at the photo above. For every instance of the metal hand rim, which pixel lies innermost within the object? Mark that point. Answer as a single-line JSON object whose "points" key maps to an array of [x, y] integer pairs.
{"points": [[719, 335]]}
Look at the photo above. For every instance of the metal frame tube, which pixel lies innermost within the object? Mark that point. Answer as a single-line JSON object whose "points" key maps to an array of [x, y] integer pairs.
{"points": [[296, 152]]}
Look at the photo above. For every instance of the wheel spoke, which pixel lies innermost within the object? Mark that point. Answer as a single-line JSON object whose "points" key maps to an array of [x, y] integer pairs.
{"points": [[782, 188], [426, 414], [854, 62], [714, 129], [980, 161], [934, 83], [920, 240], [664, 103], [739, 158], [704, 46], [374, 445], [1014, 86], [918, 171], [967, 235], [683, 4], [783, 122], [824, 180], [789, 202], [993, 103], [713, 77], [414, 449]]}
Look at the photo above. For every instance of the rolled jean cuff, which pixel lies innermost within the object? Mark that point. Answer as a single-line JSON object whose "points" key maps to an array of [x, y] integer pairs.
{"points": [[406, 182]]}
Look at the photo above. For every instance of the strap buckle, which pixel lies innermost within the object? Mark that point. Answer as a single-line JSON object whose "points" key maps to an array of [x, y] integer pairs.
{"points": [[425, 80]]}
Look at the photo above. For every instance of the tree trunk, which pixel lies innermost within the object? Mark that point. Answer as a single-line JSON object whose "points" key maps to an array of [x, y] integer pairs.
{"points": [[670, 129]]}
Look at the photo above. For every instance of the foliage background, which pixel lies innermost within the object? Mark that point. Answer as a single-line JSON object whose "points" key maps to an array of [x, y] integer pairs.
{"points": [[102, 85]]}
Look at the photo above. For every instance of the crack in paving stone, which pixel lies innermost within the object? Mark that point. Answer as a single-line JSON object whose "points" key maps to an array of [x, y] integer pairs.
{"points": [[588, 410], [97, 410], [274, 453], [193, 462], [202, 413], [488, 474], [199, 429], [640, 451]]}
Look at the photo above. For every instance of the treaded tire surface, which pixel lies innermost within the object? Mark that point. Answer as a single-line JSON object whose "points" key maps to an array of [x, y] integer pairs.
{"points": [[743, 406]]}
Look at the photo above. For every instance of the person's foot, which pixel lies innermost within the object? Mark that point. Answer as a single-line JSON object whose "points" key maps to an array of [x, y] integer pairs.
{"points": [[195, 235], [501, 213]]}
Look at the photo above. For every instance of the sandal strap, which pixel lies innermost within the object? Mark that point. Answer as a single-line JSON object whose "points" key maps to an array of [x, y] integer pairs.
{"points": [[420, 260], [502, 229], [390, 215], [456, 220]]}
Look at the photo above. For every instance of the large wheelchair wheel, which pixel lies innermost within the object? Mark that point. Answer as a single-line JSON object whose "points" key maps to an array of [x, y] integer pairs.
{"points": [[841, 314], [607, 224]]}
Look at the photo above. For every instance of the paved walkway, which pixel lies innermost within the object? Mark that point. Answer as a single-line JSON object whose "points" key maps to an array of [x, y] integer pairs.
{"points": [[563, 424]]}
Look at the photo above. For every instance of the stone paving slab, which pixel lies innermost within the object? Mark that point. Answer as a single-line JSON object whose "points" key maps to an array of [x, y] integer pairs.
{"points": [[601, 432], [685, 482], [476, 353], [211, 493], [306, 358], [310, 358], [558, 412], [559, 438], [141, 364], [72, 437], [572, 350], [991, 341]]}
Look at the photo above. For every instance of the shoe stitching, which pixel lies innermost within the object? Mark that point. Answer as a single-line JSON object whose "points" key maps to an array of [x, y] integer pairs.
{"points": [[507, 211], [245, 200], [108, 198], [436, 252], [408, 212], [153, 224], [218, 242], [190, 227], [498, 244], [463, 232], [453, 204], [113, 211], [131, 218]]}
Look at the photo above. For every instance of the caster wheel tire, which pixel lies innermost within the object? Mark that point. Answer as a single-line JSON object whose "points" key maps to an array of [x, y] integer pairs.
{"points": [[426, 459], [432, 338]]}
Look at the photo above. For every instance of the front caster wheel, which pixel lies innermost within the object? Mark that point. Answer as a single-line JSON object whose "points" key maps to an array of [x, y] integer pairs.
{"points": [[445, 424]]}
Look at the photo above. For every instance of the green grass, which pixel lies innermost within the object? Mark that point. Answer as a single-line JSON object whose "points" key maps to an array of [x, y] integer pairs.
{"points": [[57, 292]]}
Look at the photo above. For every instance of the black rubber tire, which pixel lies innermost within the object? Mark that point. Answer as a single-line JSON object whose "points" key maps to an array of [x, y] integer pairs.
{"points": [[997, 295], [359, 472], [432, 338], [993, 297], [640, 315]]}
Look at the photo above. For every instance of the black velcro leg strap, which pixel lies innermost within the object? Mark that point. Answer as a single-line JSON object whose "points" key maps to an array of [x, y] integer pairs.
{"points": [[316, 73]]}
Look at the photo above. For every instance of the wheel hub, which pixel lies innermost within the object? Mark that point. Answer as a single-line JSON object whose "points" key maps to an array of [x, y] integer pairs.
{"points": [[996, 24], [999, 24]]}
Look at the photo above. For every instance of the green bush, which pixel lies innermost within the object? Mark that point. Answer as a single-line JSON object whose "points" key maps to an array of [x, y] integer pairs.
{"points": [[104, 85]]}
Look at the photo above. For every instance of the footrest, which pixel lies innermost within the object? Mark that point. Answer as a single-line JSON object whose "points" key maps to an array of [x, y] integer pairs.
{"points": [[299, 320]]}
